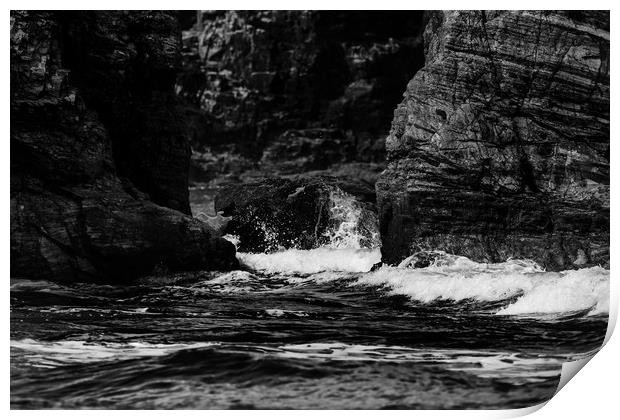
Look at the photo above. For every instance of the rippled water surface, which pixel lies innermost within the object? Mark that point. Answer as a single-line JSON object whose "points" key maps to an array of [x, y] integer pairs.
{"points": [[242, 340], [307, 329]]}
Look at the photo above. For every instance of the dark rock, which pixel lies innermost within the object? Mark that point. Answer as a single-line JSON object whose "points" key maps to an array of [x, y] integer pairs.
{"points": [[74, 216], [303, 213], [125, 65], [208, 165], [250, 76], [298, 151], [500, 148]]}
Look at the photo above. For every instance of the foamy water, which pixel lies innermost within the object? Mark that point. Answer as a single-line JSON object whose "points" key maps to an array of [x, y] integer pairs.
{"points": [[353, 227], [534, 290], [309, 329], [51, 354], [531, 290], [352, 246], [312, 260]]}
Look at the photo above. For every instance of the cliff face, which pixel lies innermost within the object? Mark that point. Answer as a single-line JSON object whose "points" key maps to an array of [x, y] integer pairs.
{"points": [[250, 76], [500, 148], [125, 66], [94, 148]]}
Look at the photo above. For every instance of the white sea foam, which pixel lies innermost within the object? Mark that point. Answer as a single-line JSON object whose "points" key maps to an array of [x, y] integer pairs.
{"points": [[55, 353], [534, 291], [353, 227], [486, 364], [312, 260], [353, 247], [283, 312], [353, 244], [489, 364]]}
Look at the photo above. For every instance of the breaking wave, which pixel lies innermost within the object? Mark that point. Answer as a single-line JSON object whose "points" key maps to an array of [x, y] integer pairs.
{"points": [[352, 243], [518, 287], [353, 226], [312, 260], [529, 288]]}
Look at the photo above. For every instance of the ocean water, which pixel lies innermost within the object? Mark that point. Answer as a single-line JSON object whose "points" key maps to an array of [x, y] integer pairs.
{"points": [[308, 329]]}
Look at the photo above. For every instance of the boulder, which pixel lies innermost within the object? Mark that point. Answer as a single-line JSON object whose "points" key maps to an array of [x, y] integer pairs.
{"points": [[500, 148], [303, 213]]}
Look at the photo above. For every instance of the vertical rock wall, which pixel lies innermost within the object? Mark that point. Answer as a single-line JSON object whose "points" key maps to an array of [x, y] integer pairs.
{"points": [[500, 148], [250, 76], [93, 148]]}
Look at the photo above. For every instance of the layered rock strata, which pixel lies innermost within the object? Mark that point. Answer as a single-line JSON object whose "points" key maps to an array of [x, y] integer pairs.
{"points": [[500, 148]]}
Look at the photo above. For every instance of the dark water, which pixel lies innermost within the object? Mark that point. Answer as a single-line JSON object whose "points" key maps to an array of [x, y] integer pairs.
{"points": [[242, 340]]}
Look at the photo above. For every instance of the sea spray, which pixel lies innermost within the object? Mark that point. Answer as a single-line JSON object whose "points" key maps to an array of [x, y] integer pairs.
{"points": [[352, 225], [531, 289], [312, 260], [351, 244]]}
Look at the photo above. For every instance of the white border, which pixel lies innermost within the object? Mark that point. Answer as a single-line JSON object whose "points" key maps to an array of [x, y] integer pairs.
{"points": [[593, 394]]}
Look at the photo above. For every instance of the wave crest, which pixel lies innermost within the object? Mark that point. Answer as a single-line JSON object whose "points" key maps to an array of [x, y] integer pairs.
{"points": [[531, 289], [312, 260]]}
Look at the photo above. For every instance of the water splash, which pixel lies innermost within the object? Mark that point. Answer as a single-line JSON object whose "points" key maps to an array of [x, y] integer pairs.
{"points": [[352, 225], [309, 261], [531, 290], [351, 243]]}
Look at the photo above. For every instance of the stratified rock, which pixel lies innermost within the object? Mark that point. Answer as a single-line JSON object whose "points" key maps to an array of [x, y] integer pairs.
{"points": [[250, 76], [302, 213], [500, 148], [72, 216]]}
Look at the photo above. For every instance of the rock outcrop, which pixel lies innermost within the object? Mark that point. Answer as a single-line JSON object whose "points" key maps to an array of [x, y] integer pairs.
{"points": [[302, 213], [500, 148], [251, 76], [98, 169]]}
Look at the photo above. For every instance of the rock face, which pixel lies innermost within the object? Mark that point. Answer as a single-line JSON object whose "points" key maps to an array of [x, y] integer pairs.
{"points": [[302, 213], [251, 76], [98, 171], [500, 148]]}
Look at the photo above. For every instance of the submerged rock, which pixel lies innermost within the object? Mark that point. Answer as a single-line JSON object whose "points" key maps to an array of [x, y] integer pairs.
{"points": [[304, 213], [500, 148], [98, 172]]}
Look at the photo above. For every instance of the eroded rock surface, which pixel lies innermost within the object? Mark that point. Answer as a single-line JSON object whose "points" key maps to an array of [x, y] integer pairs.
{"points": [[500, 148], [88, 164], [250, 76], [302, 213]]}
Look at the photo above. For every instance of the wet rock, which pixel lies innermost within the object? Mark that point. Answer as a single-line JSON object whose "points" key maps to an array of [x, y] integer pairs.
{"points": [[500, 148], [76, 214], [303, 213]]}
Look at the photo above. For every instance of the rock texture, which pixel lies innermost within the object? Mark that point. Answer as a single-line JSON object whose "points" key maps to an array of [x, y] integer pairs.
{"points": [[98, 170], [303, 213], [251, 76], [500, 148]]}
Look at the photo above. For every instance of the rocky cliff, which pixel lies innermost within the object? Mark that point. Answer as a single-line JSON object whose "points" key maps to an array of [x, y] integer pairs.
{"points": [[278, 87], [98, 165], [500, 148]]}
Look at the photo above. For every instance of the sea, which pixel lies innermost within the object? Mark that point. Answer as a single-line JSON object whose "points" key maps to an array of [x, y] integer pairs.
{"points": [[325, 328]]}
